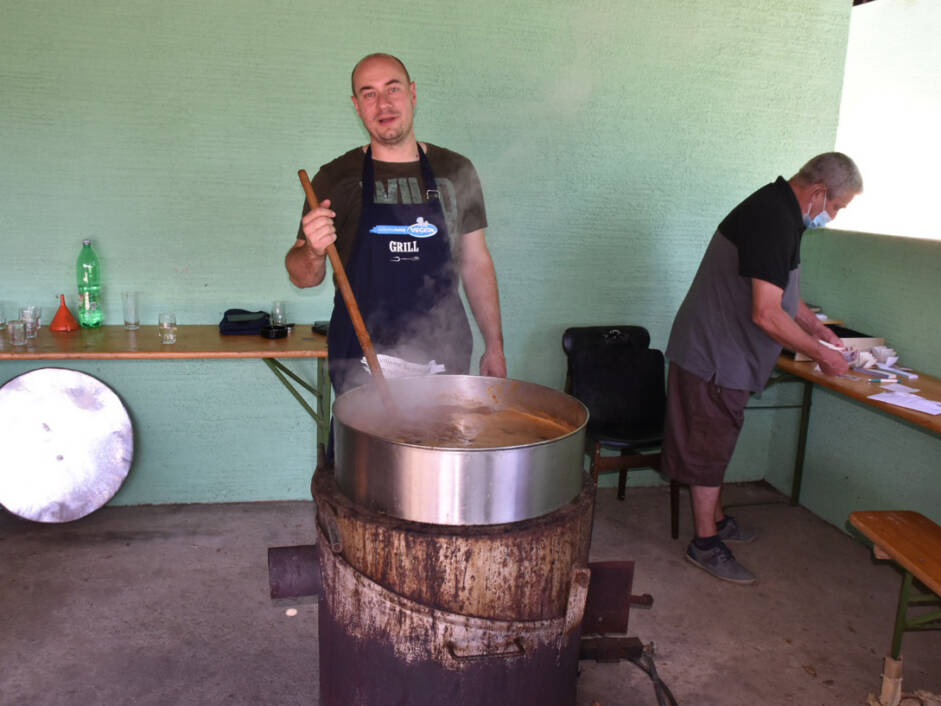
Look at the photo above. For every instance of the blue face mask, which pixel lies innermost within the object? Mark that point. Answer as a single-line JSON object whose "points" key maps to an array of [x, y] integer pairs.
{"points": [[820, 220]]}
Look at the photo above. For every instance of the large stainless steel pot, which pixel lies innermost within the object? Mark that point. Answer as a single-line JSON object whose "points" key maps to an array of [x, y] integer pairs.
{"points": [[459, 486]]}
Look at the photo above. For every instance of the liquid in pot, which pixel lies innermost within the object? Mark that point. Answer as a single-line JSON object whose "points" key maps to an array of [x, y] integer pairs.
{"points": [[456, 426]]}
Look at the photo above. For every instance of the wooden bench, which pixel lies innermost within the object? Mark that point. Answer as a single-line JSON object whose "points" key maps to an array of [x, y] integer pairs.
{"points": [[913, 542]]}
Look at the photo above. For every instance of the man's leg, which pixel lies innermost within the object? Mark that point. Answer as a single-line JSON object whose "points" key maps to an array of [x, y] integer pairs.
{"points": [[707, 550], [707, 510], [702, 424], [710, 519]]}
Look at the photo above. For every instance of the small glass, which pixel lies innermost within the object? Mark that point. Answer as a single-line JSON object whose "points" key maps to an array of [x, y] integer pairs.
{"points": [[17, 329], [166, 327], [131, 317], [278, 317], [30, 317]]}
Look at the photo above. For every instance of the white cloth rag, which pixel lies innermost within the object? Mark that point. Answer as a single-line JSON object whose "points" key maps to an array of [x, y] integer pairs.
{"points": [[393, 367]]}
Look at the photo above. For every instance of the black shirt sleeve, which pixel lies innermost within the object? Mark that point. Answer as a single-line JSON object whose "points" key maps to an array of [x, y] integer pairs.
{"points": [[766, 229]]}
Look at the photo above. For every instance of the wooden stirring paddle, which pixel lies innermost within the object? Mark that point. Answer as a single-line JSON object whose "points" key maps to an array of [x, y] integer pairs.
{"points": [[348, 297]]}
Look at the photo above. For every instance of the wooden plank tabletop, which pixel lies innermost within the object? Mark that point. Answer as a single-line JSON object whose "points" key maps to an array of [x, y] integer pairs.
{"points": [[909, 538], [192, 341], [929, 387]]}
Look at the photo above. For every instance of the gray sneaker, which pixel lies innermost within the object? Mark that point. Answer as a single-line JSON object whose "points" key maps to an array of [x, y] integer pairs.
{"points": [[733, 533], [719, 562]]}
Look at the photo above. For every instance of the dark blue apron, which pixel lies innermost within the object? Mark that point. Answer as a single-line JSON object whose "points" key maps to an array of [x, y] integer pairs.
{"points": [[406, 286]]}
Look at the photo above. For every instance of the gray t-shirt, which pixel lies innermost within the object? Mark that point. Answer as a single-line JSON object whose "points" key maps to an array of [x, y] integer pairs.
{"points": [[713, 334]]}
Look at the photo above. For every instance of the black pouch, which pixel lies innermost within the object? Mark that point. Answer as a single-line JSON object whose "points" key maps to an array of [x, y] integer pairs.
{"points": [[239, 321]]}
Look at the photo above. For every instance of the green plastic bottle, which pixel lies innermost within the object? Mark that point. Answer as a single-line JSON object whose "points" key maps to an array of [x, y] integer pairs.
{"points": [[88, 270]]}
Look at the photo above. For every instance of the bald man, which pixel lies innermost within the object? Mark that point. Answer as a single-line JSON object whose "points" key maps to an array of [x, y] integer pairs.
{"points": [[408, 221]]}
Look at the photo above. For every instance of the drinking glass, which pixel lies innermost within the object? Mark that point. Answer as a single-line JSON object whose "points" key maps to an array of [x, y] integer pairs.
{"points": [[30, 317], [17, 329], [278, 317], [131, 317], [166, 327]]}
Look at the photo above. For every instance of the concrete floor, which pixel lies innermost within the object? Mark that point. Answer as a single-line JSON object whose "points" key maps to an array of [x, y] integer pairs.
{"points": [[169, 605]]}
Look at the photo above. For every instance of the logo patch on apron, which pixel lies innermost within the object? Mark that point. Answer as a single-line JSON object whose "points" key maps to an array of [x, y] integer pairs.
{"points": [[419, 229]]}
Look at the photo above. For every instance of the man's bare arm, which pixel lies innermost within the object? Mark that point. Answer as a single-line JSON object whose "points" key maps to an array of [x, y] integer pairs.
{"points": [[808, 321], [480, 285], [768, 314], [306, 261]]}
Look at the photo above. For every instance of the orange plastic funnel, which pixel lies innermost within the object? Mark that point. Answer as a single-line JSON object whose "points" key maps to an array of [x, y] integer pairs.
{"points": [[63, 320]]}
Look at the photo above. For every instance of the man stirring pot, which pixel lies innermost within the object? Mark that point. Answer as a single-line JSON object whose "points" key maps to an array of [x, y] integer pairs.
{"points": [[392, 208]]}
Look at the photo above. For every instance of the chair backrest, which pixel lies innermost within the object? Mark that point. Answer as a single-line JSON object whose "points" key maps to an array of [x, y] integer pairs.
{"points": [[616, 374]]}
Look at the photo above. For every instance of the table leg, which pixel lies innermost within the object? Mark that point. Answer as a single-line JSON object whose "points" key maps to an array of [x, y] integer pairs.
{"points": [[801, 443], [900, 615], [324, 402], [321, 393], [912, 597]]}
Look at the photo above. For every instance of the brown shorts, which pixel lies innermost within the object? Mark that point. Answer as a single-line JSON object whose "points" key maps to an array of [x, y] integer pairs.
{"points": [[703, 421]]}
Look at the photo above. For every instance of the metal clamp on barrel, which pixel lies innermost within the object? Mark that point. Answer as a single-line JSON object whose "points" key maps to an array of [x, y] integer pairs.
{"points": [[327, 518], [520, 651]]}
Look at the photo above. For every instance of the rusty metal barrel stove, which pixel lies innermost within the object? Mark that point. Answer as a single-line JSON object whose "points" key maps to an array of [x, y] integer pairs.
{"points": [[421, 614], [450, 612]]}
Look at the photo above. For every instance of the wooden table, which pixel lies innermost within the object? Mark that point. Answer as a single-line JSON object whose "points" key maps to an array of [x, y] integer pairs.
{"points": [[857, 389], [193, 341], [913, 542]]}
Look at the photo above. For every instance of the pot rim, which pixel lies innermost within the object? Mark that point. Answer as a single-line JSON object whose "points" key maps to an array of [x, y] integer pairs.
{"points": [[545, 389]]}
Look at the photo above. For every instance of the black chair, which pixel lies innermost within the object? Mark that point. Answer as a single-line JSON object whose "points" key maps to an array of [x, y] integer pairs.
{"points": [[616, 374]]}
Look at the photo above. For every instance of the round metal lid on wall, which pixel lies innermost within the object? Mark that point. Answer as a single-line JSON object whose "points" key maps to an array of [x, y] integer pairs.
{"points": [[66, 442]]}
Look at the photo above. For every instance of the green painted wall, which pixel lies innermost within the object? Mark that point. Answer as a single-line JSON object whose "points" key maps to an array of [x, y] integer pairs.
{"points": [[610, 137]]}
